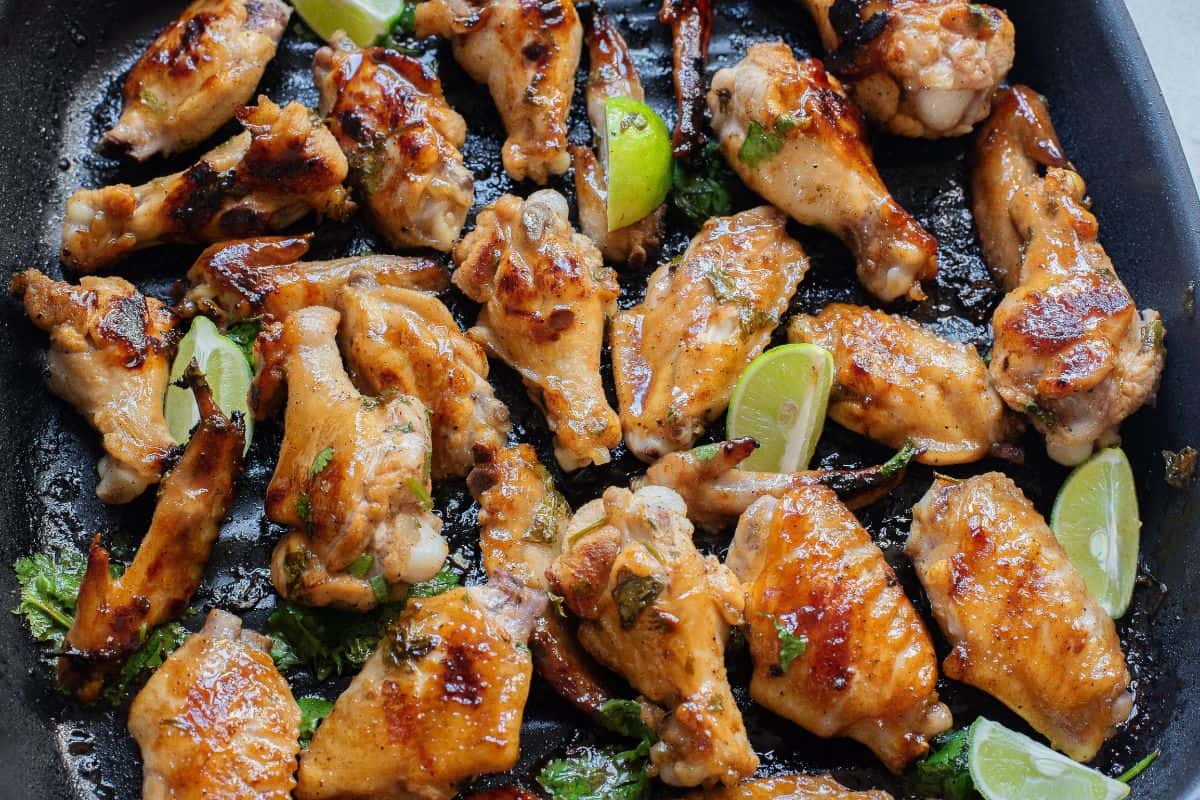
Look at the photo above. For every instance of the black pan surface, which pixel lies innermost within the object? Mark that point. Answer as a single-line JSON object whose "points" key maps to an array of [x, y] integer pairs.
{"points": [[62, 64]]}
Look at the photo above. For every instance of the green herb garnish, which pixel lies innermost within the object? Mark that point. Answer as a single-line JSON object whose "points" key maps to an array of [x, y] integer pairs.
{"points": [[361, 565], [944, 772], [598, 774], [49, 588], [1138, 768], [632, 594], [897, 463], [153, 651], [624, 717], [704, 189], [420, 493], [243, 333], [791, 646], [313, 709], [321, 462]]}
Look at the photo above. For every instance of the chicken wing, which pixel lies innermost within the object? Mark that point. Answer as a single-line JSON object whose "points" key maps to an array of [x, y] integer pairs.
{"points": [[868, 670], [895, 381], [788, 787], [789, 131], [546, 296], [656, 611], [691, 28], [677, 355], [438, 703], [284, 165], [193, 77], [110, 357], [526, 53], [217, 719], [352, 480], [1071, 350], [402, 140], [1021, 621]]}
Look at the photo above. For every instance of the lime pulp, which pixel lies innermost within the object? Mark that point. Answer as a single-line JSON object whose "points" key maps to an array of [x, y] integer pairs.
{"points": [[636, 153], [226, 371], [1006, 765], [364, 21]]}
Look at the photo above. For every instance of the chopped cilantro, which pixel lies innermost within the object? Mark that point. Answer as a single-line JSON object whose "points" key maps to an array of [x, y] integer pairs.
{"points": [[444, 581], [706, 452], [153, 651], [243, 334], [944, 771], [705, 188], [603, 773], [321, 461], [624, 717], [313, 709], [420, 493], [361, 565], [759, 145], [632, 594], [791, 646], [49, 587]]}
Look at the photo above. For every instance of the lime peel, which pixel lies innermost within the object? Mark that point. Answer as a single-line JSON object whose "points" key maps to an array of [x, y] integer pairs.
{"points": [[225, 369], [366, 22], [636, 153]]}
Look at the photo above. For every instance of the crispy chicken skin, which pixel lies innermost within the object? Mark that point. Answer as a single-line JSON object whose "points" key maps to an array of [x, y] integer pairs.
{"points": [[822, 172], [110, 356], [217, 719], [402, 141], [439, 702], [193, 77], [284, 165], [896, 380], [691, 28], [787, 787], [677, 355], [921, 68], [526, 51], [869, 670], [546, 296], [352, 480], [113, 614], [1022, 624], [404, 340], [1071, 350], [656, 611]]}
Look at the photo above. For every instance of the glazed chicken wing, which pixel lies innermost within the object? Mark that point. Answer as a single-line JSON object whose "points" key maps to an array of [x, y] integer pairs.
{"points": [[691, 28], [868, 670], [110, 357], [1071, 350], [401, 139], [656, 611], [677, 355], [789, 131], [1023, 626], [352, 480], [788, 787], [438, 703], [546, 295], [526, 52], [895, 381], [284, 165], [217, 720]]}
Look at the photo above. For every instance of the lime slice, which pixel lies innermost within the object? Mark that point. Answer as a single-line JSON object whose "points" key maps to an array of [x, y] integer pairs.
{"points": [[1006, 765], [364, 21], [636, 152], [224, 367], [780, 400], [1095, 517]]}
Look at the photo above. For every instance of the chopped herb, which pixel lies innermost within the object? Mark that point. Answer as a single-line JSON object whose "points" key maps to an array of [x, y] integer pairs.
{"points": [[585, 530], [361, 565], [944, 772], [380, 588], [753, 319], [791, 646], [624, 717], [420, 492], [705, 188], [897, 463], [321, 461], [404, 25], [304, 509], [673, 413], [325, 640], [444, 581], [760, 144], [1152, 337], [548, 515], [153, 651], [706, 452], [152, 101], [1138, 768], [1180, 467], [403, 648], [49, 588], [406, 427], [1043, 415], [243, 334], [598, 774], [313, 709], [982, 18], [632, 594], [724, 287]]}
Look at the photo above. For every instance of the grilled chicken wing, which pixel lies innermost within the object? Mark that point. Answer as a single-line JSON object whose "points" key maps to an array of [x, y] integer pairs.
{"points": [[284, 165], [113, 614], [788, 787], [352, 480], [895, 381], [110, 357], [924, 68], [217, 720], [691, 28], [402, 141], [546, 295], [868, 670], [194, 76], [526, 53], [1023, 626], [404, 340], [438, 703], [656, 611], [677, 355], [1071, 350], [789, 131]]}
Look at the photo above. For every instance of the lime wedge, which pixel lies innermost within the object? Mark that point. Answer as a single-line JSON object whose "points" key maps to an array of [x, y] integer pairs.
{"points": [[780, 400], [224, 367], [636, 153], [364, 21], [1006, 765], [1095, 518]]}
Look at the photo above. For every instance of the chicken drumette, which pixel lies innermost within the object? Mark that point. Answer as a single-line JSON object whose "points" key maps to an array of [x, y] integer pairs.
{"points": [[788, 787]]}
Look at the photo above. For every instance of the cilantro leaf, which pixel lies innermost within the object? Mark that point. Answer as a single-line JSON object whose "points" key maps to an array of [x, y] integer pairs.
{"points": [[791, 646], [759, 145], [49, 586], [321, 461], [243, 334], [444, 581], [944, 772], [624, 717], [313, 709], [598, 774], [705, 188], [154, 650]]}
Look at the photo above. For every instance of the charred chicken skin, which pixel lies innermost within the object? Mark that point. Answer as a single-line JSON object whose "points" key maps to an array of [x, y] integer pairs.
{"points": [[691, 28]]}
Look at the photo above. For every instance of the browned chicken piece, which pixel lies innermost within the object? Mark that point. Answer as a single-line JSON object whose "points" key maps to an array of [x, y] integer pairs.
{"points": [[110, 357], [402, 140], [400, 340], [114, 613], [657, 612], [526, 53], [691, 28], [1071, 350], [352, 480], [1020, 619], [868, 670], [790, 132], [217, 719], [193, 77], [677, 355], [896, 380], [788, 787], [546, 297], [922, 68], [284, 165], [439, 702]]}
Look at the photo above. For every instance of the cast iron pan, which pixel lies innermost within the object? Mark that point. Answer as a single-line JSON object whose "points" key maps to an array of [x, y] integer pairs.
{"points": [[63, 62]]}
